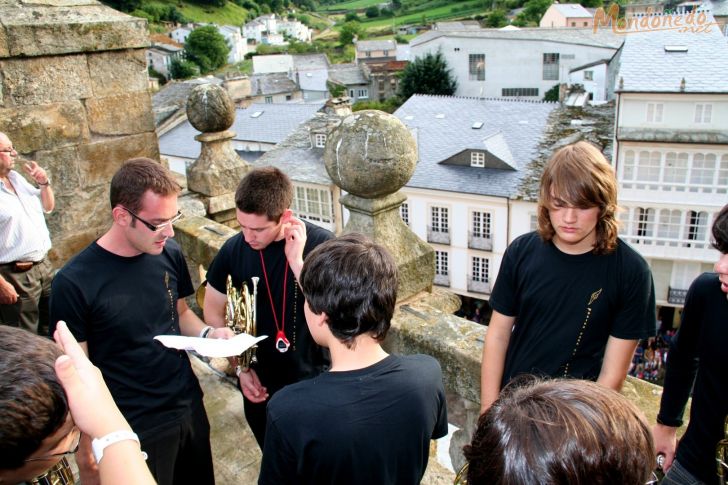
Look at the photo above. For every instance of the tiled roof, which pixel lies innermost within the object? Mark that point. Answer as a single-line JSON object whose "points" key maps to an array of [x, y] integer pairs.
{"points": [[600, 38], [376, 45], [310, 61], [273, 83], [656, 61], [443, 127], [273, 125], [347, 74], [571, 10]]}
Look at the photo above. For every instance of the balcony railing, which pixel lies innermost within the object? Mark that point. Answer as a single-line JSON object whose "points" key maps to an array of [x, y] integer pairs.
{"points": [[442, 280], [438, 236], [479, 242], [478, 286], [676, 296]]}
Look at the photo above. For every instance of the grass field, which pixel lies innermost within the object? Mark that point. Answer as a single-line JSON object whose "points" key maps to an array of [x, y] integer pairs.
{"points": [[438, 13], [353, 5], [230, 14]]}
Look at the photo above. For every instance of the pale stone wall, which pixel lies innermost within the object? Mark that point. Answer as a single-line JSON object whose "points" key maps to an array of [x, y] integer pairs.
{"points": [[73, 96]]}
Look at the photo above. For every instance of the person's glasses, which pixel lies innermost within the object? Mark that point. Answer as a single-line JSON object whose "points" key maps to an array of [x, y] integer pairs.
{"points": [[73, 450], [8, 150], [155, 227]]}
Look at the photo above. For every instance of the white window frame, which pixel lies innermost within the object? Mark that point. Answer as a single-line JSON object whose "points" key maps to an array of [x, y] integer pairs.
{"points": [[476, 67], [477, 159], [313, 203], [703, 113], [440, 219], [442, 266], [481, 223], [319, 140], [404, 212], [654, 112], [480, 269]]}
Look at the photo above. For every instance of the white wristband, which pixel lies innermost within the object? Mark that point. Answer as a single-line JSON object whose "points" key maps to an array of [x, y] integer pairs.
{"points": [[204, 332], [98, 445]]}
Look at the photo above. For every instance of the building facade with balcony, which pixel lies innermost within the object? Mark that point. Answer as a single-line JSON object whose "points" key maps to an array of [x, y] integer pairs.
{"points": [[671, 153], [473, 157]]}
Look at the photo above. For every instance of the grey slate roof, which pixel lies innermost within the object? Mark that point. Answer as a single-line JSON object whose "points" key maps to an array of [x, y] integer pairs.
{"points": [[297, 157], [273, 83], [272, 126], [719, 8], [310, 61], [376, 45], [646, 66], [517, 125], [590, 64], [600, 38], [347, 74]]}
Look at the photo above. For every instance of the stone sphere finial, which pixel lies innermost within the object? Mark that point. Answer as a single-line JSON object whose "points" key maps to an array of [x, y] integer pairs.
{"points": [[371, 154], [210, 109]]}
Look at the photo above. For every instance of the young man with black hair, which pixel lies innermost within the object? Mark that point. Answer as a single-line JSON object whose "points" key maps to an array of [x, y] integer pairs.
{"points": [[371, 417], [271, 246], [116, 296], [696, 362], [571, 299]]}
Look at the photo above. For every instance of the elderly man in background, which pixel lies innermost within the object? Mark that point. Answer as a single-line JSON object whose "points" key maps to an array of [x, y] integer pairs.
{"points": [[25, 273]]}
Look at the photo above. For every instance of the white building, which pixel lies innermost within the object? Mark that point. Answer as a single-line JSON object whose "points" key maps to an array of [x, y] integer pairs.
{"points": [[295, 29], [268, 29], [235, 41], [473, 157], [309, 71], [180, 34], [671, 152], [515, 63], [160, 57], [593, 77]]}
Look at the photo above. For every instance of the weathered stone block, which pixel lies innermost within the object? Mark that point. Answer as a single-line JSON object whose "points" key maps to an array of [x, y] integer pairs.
{"points": [[124, 114], [40, 29], [99, 161], [218, 169], [117, 72], [45, 80], [66, 246], [201, 238], [86, 209], [62, 166], [45, 127]]}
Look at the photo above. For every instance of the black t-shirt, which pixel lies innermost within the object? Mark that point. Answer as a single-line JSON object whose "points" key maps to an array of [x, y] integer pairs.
{"points": [[566, 306], [304, 358], [117, 305], [699, 346], [367, 426]]}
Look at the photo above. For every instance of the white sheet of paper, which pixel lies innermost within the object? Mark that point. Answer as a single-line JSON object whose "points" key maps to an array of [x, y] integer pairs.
{"points": [[211, 347]]}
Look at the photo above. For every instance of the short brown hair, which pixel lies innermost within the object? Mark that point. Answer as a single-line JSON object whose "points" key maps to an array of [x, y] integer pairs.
{"points": [[264, 191], [560, 432], [33, 404], [135, 177], [581, 176]]}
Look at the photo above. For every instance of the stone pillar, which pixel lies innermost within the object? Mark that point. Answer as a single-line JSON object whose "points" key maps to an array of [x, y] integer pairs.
{"points": [[371, 155], [74, 96], [219, 169]]}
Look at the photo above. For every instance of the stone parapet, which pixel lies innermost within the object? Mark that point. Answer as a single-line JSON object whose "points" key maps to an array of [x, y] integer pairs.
{"points": [[73, 97]]}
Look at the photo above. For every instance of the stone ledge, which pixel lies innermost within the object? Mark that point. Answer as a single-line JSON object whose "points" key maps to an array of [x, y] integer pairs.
{"points": [[44, 28]]}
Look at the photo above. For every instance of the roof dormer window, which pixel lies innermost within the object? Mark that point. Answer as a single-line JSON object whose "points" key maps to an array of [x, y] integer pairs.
{"points": [[477, 159]]}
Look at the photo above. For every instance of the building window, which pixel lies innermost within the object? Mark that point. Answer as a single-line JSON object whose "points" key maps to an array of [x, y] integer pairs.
{"points": [[362, 93], [648, 166], [654, 112], [573, 24], [313, 204], [404, 212], [506, 92], [269, 99], [476, 64], [351, 93], [645, 224], [668, 228], [551, 67], [368, 54], [588, 75], [697, 228], [676, 169], [288, 97], [385, 52], [441, 263], [532, 222], [477, 159], [440, 221], [723, 175], [703, 170], [703, 113], [481, 269], [319, 140], [481, 224]]}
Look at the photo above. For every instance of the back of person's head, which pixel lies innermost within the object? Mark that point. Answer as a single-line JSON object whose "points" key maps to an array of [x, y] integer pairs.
{"points": [[135, 177], [264, 191], [579, 175], [720, 231], [354, 282], [33, 404], [560, 432]]}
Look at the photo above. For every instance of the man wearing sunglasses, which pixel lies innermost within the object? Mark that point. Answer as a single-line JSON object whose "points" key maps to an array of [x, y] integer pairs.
{"points": [[25, 273], [115, 296]]}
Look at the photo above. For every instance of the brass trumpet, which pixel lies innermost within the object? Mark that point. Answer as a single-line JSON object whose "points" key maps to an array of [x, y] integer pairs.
{"points": [[240, 316]]}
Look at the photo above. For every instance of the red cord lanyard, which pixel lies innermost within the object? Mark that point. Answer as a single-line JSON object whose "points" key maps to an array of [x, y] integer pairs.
{"points": [[282, 343]]}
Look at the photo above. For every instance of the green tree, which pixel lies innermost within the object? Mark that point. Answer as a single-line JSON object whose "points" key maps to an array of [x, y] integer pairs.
{"points": [[552, 94], [206, 47], [533, 10], [183, 69], [372, 12], [427, 75], [124, 5], [351, 17], [497, 18], [348, 31]]}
